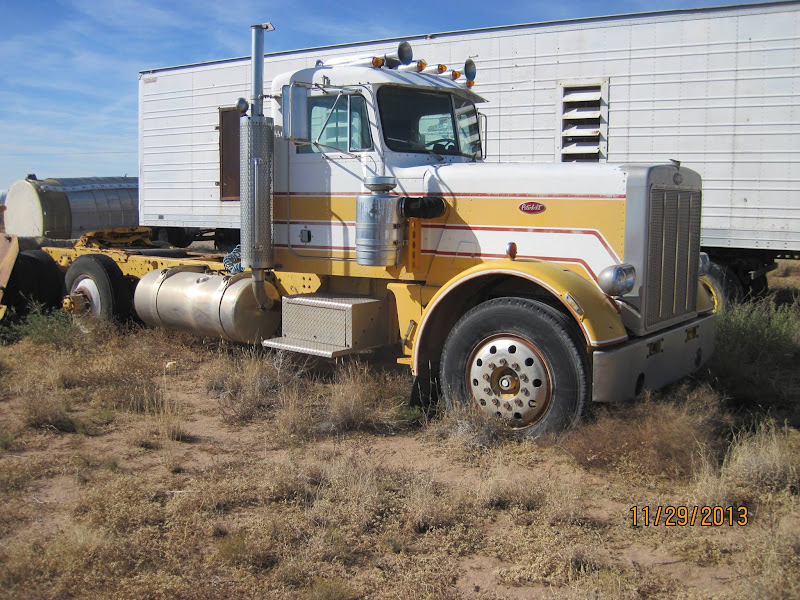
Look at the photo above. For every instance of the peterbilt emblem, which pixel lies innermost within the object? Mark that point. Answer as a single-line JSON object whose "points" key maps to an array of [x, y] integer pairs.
{"points": [[532, 208]]}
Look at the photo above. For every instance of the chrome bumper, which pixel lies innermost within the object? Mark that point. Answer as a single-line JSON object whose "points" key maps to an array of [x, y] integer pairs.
{"points": [[652, 362]]}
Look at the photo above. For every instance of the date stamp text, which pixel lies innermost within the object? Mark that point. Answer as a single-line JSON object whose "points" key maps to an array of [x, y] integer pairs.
{"points": [[683, 516]]}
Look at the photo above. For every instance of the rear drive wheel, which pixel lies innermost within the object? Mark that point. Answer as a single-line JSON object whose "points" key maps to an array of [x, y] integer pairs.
{"points": [[34, 278], [50, 279], [98, 282], [515, 359]]}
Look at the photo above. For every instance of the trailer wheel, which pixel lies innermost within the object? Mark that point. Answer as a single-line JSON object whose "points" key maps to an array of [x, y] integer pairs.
{"points": [[723, 285], [515, 358], [99, 281]]}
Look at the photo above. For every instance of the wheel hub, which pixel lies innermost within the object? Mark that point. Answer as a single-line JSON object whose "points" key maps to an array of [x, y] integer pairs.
{"points": [[88, 294], [509, 379]]}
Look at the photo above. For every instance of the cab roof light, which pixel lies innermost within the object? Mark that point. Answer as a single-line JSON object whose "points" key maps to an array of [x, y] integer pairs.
{"points": [[417, 66], [435, 69], [470, 83], [453, 74], [377, 62]]}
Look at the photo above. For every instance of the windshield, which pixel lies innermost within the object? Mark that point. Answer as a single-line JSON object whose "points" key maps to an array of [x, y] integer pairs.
{"points": [[421, 121]]}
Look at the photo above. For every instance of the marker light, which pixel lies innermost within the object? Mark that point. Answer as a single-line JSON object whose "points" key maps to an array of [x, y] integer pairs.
{"points": [[377, 62], [454, 74], [417, 66], [511, 250], [617, 280], [470, 83], [435, 69]]}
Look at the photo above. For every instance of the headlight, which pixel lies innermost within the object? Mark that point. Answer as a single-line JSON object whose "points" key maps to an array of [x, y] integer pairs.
{"points": [[705, 263], [617, 280]]}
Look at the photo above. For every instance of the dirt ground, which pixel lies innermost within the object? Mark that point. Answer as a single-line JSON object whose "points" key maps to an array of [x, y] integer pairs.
{"points": [[183, 495], [676, 561]]}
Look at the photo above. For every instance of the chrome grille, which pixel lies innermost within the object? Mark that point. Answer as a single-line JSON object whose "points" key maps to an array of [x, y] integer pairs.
{"points": [[672, 256]]}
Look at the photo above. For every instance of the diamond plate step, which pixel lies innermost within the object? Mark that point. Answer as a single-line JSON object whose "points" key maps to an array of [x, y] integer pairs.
{"points": [[312, 348], [330, 325]]}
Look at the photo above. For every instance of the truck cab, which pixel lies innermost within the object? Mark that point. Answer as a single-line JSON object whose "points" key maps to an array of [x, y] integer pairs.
{"points": [[603, 257]]}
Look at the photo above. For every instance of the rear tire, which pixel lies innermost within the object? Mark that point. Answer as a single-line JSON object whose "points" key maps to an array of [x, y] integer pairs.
{"points": [[100, 280], [34, 278], [50, 280], [516, 359]]}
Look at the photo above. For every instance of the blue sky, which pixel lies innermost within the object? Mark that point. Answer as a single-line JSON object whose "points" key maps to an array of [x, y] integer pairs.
{"points": [[69, 68]]}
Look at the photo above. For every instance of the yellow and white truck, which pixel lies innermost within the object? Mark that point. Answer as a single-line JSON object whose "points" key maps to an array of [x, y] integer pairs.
{"points": [[369, 219]]}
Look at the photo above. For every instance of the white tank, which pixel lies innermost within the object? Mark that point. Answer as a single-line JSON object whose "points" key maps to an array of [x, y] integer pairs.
{"points": [[68, 208]]}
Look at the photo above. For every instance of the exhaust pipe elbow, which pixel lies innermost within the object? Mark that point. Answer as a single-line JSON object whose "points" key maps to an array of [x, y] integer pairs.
{"points": [[265, 293]]}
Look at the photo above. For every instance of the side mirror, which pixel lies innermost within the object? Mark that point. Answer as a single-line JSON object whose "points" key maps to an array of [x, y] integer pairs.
{"points": [[294, 104]]}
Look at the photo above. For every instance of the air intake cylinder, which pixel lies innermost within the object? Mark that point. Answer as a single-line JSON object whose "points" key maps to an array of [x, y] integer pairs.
{"points": [[379, 225]]}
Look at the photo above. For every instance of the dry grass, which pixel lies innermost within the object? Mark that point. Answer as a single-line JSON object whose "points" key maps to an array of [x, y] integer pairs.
{"points": [[787, 269], [774, 561], [757, 357], [252, 384], [468, 432], [363, 399], [301, 483], [758, 464], [248, 381], [668, 435]]}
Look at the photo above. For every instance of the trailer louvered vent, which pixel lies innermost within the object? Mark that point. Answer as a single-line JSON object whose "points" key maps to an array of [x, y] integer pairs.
{"points": [[583, 123]]}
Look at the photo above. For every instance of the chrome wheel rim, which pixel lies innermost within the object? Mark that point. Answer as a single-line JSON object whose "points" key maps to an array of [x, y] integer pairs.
{"points": [[508, 378]]}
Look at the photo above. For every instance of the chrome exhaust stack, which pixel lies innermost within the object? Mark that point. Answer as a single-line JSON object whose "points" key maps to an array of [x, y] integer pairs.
{"points": [[255, 176]]}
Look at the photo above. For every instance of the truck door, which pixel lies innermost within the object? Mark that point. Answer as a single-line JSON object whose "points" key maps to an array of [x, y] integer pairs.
{"points": [[315, 215]]}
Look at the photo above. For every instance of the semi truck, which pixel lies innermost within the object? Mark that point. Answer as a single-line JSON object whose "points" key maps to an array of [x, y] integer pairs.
{"points": [[370, 219], [713, 87]]}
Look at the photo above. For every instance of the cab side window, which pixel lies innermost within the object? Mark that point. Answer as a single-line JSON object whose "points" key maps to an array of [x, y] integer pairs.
{"points": [[340, 122], [359, 124]]}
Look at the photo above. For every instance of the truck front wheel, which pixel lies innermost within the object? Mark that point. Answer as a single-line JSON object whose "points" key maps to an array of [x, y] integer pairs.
{"points": [[515, 359]]}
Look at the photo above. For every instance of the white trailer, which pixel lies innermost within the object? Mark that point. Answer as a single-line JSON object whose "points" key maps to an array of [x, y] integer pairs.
{"points": [[714, 88]]}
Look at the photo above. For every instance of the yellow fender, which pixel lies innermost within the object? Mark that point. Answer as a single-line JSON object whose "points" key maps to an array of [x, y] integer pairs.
{"points": [[595, 313]]}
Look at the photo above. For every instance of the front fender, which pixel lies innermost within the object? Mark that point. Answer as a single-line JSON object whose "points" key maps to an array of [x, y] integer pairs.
{"points": [[595, 313]]}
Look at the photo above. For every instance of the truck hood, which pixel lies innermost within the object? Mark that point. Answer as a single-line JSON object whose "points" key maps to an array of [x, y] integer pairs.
{"points": [[514, 179]]}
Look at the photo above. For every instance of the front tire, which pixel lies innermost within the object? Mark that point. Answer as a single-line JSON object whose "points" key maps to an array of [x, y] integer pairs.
{"points": [[516, 359]]}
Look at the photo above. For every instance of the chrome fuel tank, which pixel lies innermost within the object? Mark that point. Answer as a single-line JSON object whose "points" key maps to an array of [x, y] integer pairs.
{"points": [[190, 299]]}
